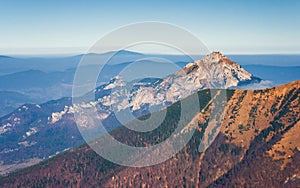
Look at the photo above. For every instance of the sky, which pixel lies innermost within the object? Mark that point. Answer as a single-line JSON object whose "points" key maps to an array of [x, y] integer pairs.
{"points": [[232, 27]]}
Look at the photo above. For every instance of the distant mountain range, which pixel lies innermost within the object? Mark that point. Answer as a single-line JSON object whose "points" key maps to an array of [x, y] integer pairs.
{"points": [[11, 65], [49, 78]]}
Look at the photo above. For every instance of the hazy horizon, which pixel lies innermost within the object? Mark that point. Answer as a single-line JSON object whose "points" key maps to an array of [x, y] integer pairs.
{"points": [[50, 55]]}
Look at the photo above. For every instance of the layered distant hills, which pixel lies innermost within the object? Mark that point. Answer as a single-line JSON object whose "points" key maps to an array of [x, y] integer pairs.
{"points": [[49, 78], [257, 135]]}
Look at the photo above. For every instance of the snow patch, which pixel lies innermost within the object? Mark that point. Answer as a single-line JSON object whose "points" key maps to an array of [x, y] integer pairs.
{"points": [[25, 108], [31, 131], [27, 144], [17, 120], [56, 116], [6, 127], [7, 150]]}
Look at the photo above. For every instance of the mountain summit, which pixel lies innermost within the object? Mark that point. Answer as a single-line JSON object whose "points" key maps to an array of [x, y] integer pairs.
{"points": [[219, 71], [216, 57]]}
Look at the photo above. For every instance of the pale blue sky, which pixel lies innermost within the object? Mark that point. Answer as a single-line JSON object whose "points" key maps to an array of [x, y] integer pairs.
{"points": [[37, 27]]}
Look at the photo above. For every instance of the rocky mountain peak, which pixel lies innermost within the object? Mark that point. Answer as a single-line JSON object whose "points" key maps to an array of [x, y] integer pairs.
{"points": [[216, 54], [217, 57], [218, 69], [210, 61]]}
